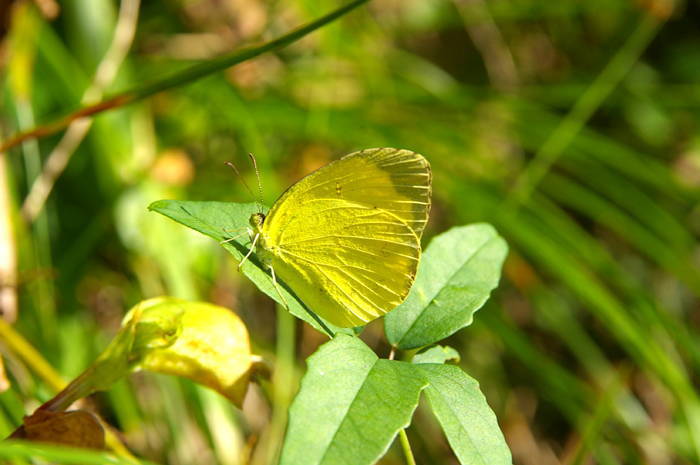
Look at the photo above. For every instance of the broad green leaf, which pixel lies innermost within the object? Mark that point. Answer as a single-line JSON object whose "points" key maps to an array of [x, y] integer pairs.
{"points": [[456, 274], [467, 420], [226, 220], [437, 354], [350, 406]]}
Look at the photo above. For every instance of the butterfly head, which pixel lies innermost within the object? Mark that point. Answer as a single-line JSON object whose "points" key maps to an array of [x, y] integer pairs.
{"points": [[256, 221]]}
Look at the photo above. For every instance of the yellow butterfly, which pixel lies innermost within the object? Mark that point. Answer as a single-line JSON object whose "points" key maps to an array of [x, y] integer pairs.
{"points": [[346, 238]]}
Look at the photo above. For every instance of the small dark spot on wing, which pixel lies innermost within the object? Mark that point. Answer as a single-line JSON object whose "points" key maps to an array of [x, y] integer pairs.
{"points": [[338, 189]]}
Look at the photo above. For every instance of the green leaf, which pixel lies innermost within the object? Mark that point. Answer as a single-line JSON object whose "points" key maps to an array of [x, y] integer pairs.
{"points": [[225, 220], [456, 274], [437, 354], [350, 406], [467, 420]]}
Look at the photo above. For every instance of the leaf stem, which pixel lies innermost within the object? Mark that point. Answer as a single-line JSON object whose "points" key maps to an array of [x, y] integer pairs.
{"points": [[180, 78], [77, 389], [406, 446]]}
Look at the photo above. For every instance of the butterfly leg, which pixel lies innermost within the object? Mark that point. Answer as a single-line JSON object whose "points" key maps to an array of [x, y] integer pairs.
{"points": [[252, 247], [231, 239], [277, 288]]}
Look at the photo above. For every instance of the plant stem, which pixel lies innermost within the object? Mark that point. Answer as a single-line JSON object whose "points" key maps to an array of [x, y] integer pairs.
{"points": [[284, 384], [180, 78], [59, 157], [406, 446], [76, 390], [18, 345]]}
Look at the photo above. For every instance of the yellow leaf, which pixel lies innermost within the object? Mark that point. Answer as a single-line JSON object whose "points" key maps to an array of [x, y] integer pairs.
{"points": [[195, 340], [203, 342]]}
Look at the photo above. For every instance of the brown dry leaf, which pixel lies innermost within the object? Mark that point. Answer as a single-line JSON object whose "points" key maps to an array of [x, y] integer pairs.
{"points": [[77, 428]]}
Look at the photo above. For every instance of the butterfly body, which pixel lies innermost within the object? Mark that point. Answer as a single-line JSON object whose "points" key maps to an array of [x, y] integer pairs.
{"points": [[346, 238]]}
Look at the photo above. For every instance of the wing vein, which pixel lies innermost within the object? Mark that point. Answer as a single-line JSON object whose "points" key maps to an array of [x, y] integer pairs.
{"points": [[318, 266]]}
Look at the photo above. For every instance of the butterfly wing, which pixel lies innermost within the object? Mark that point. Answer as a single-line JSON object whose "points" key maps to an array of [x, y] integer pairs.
{"points": [[346, 238]]}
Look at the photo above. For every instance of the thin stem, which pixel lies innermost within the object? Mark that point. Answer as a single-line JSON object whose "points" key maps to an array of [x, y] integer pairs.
{"points": [[76, 390], [406, 446], [19, 346], [283, 388], [8, 250], [487, 38], [57, 161], [616, 69], [183, 77]]}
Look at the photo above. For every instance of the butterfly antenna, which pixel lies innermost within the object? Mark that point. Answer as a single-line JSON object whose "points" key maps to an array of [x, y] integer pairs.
{"points": [[238, 173], [257, 175]]}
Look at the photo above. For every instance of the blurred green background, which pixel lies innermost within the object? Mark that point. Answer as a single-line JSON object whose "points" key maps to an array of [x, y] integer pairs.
{"points": [[571, 126]]}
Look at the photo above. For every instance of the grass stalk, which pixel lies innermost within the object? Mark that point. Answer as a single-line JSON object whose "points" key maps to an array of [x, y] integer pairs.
{"points": [[180, 78], [584, 108]]}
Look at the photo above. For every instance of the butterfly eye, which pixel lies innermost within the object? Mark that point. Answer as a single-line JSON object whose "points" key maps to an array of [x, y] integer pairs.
{"points": [[257, 220]]}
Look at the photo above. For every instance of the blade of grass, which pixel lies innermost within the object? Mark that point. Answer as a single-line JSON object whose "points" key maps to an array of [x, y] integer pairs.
{"points": [[586, 106], [106, 72], [571, 396], [592, 145], [21, 72], [651, 212], [517, 227], [19, 346], [577, 241], [13, 449], [592, 427], [180, 78], [576, 196]]}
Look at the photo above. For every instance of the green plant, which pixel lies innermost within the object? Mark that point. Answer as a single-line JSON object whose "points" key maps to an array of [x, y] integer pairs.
{"points": [[351, 404], [588, 352]]}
